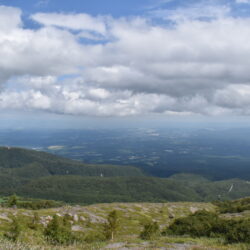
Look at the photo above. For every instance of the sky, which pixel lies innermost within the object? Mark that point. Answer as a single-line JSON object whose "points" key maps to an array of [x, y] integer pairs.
{"points": [[115, 58]]}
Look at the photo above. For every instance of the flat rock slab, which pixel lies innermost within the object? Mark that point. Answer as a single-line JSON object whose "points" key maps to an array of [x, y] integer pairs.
{"points": [[114, 246], [5, 217]]}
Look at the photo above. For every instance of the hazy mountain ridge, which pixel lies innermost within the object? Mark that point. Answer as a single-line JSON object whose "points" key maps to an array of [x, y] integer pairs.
{"points": [[216, 154]]}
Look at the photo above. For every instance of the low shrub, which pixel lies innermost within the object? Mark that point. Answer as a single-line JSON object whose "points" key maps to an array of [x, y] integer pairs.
{"points": [[38, 204], [150, 231], [203, 223], [58, 231], [93, 236], [14, 230], [34, 223], [238, 231], [236, 206], [12, 201]]}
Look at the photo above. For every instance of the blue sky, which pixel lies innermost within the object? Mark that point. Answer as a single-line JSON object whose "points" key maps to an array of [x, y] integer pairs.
{"points": [[118, 8], [167, 59], [94, 7]]}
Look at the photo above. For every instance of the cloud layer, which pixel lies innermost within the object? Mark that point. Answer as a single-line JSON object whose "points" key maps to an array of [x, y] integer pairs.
{"points": [[100, 66]]}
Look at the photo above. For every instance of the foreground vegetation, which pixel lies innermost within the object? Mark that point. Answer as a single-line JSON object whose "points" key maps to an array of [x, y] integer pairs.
{"points": [[187, 225]]}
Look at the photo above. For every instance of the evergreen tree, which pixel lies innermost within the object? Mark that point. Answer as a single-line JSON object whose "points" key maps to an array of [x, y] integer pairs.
{"points": [[14, 230], [12, 201], [111, 227], [59, 232]]}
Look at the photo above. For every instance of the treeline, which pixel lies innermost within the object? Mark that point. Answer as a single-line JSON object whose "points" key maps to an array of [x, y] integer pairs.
{"points": [[235, 206], [34, 204], [89, 190]]}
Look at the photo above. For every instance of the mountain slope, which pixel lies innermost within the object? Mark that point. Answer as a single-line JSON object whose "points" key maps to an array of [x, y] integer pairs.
{"points": [[29, 164], [41, 175], [88, 190]]}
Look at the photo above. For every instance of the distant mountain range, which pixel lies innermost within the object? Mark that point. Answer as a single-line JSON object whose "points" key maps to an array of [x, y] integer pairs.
{"points": [[42, 175]]}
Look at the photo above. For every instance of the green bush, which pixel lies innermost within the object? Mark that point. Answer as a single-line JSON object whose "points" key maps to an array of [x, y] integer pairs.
{"points": [[150, 231], [58, 231], [14, 230], [34, 223], [38, 204], [238, 231], [12, 201], [93, 236], [236, 206], [201, 223], [34, 204]]}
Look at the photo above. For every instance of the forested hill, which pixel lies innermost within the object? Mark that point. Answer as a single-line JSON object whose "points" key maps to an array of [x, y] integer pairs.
{"points": [[29, 164], [36, 174]]}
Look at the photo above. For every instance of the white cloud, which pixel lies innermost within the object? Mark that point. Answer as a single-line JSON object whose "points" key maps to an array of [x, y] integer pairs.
{"points": [[24, 99], [38, 82], [71, 21], [99, 93], [191, 67], [10, 18], [198, 11], [47, 51]]}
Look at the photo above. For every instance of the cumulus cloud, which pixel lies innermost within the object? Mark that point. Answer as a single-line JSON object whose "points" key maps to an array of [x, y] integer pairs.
{"points": [[10, 18], [46, 51], [193, 66]]}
